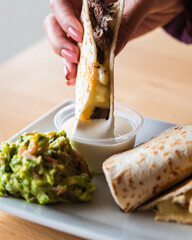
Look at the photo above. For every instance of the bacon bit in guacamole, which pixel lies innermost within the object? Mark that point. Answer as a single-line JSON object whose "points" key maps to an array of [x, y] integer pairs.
{"points": [[43, 168]]}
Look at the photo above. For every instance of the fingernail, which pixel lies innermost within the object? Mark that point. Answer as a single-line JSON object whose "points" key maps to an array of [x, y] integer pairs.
{"points": [[66, 72], [71, 56], [75, 34], [67, 82], [70, 82]]}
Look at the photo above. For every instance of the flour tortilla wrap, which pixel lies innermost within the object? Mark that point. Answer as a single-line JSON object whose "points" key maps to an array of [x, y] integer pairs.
{"points": [[94, 83], [139, 174], [174, 206]]}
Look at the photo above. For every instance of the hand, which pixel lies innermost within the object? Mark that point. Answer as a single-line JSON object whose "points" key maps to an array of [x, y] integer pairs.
{"points": [[64, 29], [142, 16]]}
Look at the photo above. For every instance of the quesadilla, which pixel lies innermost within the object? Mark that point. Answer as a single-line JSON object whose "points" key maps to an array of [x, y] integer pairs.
{"points": [[175, 206], [139, 174], [94, 83]]}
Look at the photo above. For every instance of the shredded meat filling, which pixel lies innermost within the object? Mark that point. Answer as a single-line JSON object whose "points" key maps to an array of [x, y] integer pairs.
{"points": [[100, 113], [102, 33], [102, 38]]}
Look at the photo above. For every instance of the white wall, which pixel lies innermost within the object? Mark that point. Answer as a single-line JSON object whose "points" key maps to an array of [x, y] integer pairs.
{"points": [[21, 24]]}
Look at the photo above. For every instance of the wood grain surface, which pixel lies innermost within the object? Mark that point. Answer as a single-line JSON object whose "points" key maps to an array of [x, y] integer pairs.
{"points": [[153, 74]]}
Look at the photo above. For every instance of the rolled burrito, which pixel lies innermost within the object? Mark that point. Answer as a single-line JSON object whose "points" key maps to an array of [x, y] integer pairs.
{"points": [[94, 83], [175, 206], [139, 174]]}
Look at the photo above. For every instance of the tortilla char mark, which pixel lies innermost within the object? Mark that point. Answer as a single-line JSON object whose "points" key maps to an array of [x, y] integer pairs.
{"points": [[100, 19]]}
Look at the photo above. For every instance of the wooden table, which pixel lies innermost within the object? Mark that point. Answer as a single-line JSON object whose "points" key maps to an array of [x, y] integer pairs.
{"points": [[153, 74]]}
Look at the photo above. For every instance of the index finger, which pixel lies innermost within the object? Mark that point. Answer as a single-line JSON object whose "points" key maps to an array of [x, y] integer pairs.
{"points": [[65, 13]]}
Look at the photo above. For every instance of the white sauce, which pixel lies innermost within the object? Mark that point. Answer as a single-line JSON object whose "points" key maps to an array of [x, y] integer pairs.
{"points": [[96, 129], [94, 152]]}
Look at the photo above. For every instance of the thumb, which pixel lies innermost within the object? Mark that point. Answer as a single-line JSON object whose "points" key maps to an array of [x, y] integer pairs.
{"points": [[134, 13]]}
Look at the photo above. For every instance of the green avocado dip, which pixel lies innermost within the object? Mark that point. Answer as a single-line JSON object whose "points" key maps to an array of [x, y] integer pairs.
{"points": [[43, 168]]}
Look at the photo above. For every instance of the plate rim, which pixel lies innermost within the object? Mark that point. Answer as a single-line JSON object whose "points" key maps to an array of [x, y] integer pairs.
{"points": [[74, 230]]}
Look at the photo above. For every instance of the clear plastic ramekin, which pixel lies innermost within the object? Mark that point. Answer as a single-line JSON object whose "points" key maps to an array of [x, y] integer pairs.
{"points": [[96, 151]]}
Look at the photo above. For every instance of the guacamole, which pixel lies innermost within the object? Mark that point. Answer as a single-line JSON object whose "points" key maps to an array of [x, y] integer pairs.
{"points": [[43, 168]]}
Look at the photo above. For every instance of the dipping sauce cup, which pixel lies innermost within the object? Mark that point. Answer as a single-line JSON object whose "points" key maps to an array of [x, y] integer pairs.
{"points": [[95, 151]]}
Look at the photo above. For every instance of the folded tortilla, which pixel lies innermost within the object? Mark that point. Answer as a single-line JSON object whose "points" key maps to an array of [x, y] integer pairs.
{"points": [[175, 206], [94, 83], [139, 174]]}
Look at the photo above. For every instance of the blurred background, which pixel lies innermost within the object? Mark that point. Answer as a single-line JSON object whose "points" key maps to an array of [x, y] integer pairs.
{"points": [[21, 24]]}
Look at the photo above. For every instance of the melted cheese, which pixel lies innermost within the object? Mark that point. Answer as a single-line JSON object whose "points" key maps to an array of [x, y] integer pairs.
{"points": [[170, 210]]}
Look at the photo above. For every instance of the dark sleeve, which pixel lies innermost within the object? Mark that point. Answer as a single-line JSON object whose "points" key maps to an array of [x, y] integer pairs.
{"points": [[181, 26]]}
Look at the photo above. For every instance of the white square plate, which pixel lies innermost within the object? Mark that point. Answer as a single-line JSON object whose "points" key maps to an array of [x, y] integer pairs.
{"points": [[101, 218]]}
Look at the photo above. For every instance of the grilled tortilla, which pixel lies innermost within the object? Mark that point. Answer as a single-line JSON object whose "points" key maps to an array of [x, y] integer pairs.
{"points": [[139, 174], [175, 206], [94, 83]]}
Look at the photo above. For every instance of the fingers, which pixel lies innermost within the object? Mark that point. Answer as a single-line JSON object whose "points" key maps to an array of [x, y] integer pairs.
{"points": [[64, 30], [134, 13], [142, 16], [152, 21], [70, 71], [65, 14], [60, 42]]}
